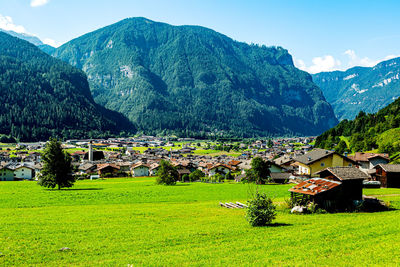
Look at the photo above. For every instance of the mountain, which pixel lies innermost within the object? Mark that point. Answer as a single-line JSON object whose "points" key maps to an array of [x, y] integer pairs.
{"points": [[186, 79], [42, 96], [360, 88], [380, 131], [33, 40]]}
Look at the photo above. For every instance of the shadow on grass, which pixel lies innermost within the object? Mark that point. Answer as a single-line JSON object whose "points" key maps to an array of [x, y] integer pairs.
{"points": [[74, 189], [278, 224]]}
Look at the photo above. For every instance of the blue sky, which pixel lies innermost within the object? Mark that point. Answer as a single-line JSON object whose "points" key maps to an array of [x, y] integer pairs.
{"points": [[321, 35]]}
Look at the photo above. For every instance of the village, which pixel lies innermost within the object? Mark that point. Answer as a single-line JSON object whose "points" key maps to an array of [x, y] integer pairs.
{"points": [[320, 175]]}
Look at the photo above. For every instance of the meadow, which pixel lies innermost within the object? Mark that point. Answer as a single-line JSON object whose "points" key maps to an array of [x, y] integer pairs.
{"points": [[135, 222]]}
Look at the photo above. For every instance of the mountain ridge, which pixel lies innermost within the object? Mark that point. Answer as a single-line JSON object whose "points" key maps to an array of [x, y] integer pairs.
{"points": [[358, 89], [191, 78]]}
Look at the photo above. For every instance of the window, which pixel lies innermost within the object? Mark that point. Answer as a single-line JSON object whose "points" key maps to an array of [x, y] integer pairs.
{"points": [[322, 164]]}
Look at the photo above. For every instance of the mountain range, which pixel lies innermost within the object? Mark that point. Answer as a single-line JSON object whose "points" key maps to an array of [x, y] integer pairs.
{"points": [[367, 89], [186, 79], [42, 96], [32, 39]]}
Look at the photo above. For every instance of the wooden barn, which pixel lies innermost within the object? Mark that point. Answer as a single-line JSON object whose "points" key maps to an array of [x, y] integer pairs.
{"points": [[388, 175], [336, 188]]}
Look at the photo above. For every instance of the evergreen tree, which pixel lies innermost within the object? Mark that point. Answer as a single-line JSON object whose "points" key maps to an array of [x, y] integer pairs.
{"points": [[167, 174], [57, 168], [260, 170]]}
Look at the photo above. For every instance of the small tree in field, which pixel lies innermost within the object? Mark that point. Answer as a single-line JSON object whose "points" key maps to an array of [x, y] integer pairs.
{"points": [[261, 211], [167, 174], [57, 168]]}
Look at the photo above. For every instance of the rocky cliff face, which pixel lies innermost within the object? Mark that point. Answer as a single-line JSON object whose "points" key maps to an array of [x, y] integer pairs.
{"points": [[361, 89], [189, 78]]}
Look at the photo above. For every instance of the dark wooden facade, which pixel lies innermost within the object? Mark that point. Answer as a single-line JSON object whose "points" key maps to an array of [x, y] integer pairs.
{"points": [[387, 179]]}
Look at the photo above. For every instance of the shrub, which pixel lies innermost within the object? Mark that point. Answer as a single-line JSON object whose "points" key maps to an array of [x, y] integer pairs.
{"points": [[185, 178], [261, 211], [196, 175]]}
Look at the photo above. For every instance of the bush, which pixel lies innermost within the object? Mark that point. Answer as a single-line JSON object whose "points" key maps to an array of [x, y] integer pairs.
{"points": [[185, 178], [196, 175], [261, 211]]}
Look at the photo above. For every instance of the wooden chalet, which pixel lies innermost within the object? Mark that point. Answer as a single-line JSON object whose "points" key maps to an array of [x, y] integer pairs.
{"points": [[336, 188], [388, 175]]}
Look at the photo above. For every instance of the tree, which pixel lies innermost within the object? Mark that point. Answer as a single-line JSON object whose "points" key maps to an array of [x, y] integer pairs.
{"points": [[260, 170], [167, 174], [57, 167], [261, 211], [341, 147], [270, 143], [196, 175]]}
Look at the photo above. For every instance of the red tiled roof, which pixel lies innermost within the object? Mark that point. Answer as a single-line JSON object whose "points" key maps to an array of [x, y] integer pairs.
{"points": [[314, 186]]}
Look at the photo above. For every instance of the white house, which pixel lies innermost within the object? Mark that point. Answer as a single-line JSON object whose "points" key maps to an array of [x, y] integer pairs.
{"points": [[219, 168], [140, 169]]}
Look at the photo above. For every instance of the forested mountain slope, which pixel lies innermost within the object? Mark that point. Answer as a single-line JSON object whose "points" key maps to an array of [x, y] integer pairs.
{"points": [[366, 132], [187, 79], [42, 96]]}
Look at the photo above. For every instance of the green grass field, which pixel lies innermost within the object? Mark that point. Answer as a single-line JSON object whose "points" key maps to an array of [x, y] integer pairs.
{"points": [[133, 221]]}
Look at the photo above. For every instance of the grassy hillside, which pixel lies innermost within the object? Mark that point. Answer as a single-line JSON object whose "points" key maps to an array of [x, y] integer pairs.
{"points": [[134, 221]]}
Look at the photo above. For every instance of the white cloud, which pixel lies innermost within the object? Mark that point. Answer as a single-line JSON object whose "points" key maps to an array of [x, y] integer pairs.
{"points": [[6, 23], [330, 63], [51, 42], [36, 3], [354, 60], [324, 63]]}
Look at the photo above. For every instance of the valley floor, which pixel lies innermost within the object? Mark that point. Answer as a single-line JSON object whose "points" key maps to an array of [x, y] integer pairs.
{"points": [[133, 221]]}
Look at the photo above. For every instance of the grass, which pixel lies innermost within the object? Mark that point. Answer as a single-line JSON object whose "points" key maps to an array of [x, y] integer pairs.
{"points": [[134, 221]]}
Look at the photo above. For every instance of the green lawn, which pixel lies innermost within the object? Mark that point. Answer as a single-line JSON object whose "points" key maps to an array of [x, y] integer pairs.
{"points": [[134, 221]]}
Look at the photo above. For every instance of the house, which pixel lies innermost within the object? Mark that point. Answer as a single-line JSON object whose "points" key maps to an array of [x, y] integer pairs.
{"points": [[124, 167], [336, 188], [154, 169], [368, 161], [87, 168], [219, 168], [107, 169], [275, 168], [280, 177], [388, 175], [6, 174], [140, 169], [17, 171], [351, 178], [319, 159]]}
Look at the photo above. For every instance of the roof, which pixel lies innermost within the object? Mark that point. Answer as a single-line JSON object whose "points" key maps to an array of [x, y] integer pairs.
{"points": [[345, 173], [280, 175], [318, 154], [183, 171], [361, 156], [390, 167], [314, 186], [220, 165], [314, 156], [102, 166], [139, 164]]}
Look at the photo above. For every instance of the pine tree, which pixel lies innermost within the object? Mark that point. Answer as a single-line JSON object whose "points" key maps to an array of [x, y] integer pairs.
{"points": [[57, 168]]}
